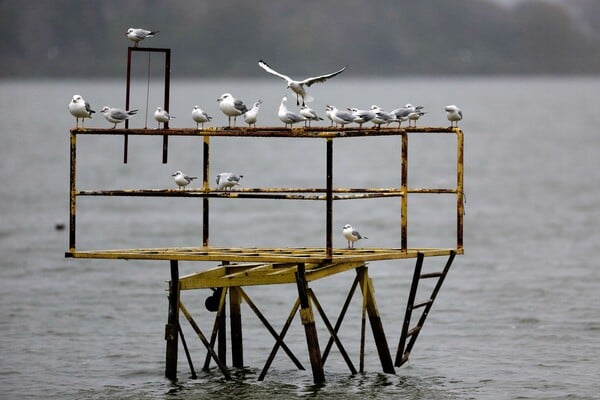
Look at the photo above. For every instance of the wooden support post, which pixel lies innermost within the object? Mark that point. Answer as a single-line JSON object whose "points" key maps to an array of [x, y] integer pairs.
{"points": [[363, 316], [375, 320], [237, 348], [171, 329], [308, 320]]}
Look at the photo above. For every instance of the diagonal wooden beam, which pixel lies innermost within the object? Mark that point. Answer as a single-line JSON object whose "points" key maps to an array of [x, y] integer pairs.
{"points": [[340, 319], [204, 341], [333, 334], [217, 327], [270, 328], [279, 341]]}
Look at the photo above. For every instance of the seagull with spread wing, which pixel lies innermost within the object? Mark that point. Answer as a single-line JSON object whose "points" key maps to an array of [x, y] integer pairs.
{"points": [[298, 86]]}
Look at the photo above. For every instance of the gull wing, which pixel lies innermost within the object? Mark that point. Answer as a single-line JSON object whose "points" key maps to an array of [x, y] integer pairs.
{"points": [[322, 78], [270, 70]]}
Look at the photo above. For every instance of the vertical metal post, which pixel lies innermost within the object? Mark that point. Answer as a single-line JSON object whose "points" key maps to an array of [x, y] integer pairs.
{"points": [[206, 187], [167, 84], [127, 97], [237, 348], [460, 210], [171, 329], [329, 201], [166, 101], [73, 189], [308, 320], [404, 198]]}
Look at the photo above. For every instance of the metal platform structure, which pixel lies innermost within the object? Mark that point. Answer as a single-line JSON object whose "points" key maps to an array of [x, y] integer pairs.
{"points": [[240, 267]]}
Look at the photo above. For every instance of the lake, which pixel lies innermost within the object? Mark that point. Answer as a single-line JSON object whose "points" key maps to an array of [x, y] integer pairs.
{"points": [[518, 315]]}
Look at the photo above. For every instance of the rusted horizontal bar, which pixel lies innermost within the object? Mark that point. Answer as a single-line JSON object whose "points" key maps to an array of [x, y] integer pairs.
{"points": [[314, 132], [262, 193]]}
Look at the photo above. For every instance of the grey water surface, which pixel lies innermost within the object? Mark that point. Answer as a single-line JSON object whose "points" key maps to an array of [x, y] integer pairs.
{"points": [[518, 315]]}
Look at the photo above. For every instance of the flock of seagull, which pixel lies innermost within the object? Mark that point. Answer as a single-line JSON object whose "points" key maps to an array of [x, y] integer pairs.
{"points": [[233, 108]]}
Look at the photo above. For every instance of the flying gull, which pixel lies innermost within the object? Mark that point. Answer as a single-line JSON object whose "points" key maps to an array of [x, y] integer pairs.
{"points": [[298, 86]]}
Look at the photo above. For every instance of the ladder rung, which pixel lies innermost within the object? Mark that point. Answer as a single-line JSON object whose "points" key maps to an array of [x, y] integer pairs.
{"points": [[412, 331], [431, 275], [422, 304]]}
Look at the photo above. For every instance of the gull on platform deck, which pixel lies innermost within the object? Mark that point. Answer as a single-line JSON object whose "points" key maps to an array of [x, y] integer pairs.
{"points": [[286, 116], [351, 235], [199, 116], [79, 108], [163, 116], [138, 34], [182, 180], [454, 114], [116, 115], [298, 86], [227, 180], [231, 107], [251, 115]]}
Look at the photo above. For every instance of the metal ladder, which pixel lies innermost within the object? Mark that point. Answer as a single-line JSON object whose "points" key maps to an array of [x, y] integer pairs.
{"points": [[404, 349]]}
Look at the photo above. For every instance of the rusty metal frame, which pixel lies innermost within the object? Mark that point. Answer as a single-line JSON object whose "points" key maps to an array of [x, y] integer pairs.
{"points": [[167, 53], [328, 194]]}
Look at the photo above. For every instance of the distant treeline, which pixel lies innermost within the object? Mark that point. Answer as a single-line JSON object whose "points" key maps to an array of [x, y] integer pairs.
{"points": [[225, 38]]}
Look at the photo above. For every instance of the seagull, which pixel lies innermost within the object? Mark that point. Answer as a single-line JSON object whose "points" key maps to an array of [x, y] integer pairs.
{"points": [[401, 114], [251, 115], [351, 235], [163, 116], [227, 180], [182, 180], [79, 108], [454, 114], [137, 34], [116, 115], [339, 116], [200, 116], [361, 116], [309, 114], [381, 117], [231, 107], [286, 116], [298, 86], [414, 116]]}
